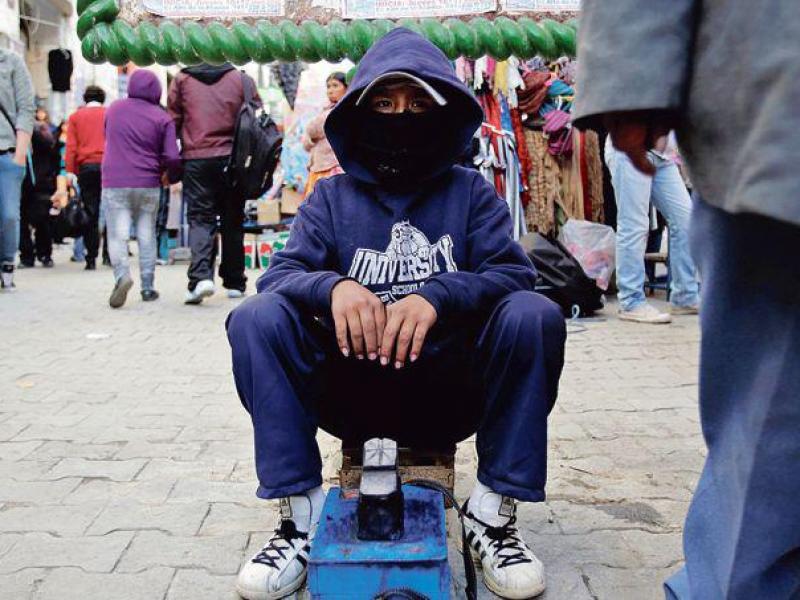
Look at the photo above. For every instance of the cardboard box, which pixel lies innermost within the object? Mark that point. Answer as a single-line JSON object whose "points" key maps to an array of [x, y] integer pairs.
{"points": [[269, 212], [290, 201]]}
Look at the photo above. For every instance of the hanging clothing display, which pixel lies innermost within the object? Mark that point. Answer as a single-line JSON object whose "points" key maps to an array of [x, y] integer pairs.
{"points": [[59, 66], [546, 171]]}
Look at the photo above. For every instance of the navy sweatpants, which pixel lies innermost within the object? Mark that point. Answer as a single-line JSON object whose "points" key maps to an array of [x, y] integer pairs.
{"points": [[496, 374], [742, 534]]}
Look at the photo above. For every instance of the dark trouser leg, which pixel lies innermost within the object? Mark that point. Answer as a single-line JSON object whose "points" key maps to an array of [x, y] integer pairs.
{"points": [[41, 224], [231, 268], [26, 249], [520, 355], [200, 190], [90, 182], [742, 534], [276, 363]]}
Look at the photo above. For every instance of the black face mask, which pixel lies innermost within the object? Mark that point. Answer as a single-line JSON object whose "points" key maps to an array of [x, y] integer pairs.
{"points": [[399, 148]]}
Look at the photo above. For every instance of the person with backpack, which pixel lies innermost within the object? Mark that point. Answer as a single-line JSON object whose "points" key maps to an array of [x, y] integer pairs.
{"points": [[205, 102], [16, 124], [141, 146], [401, 307]]}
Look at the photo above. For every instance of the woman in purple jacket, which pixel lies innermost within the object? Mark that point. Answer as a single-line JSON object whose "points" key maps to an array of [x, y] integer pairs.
{"points": [[141, 149]]}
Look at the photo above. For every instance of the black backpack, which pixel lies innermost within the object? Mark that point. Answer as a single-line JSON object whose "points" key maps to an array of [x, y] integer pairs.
{"points": [[256, 147], [561, 278]]}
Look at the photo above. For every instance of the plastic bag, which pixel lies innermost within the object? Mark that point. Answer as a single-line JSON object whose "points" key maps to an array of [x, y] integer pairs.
{"points": [[594, 247]]}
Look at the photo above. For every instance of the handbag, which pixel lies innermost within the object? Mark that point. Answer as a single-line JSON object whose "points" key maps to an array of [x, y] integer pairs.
{"points": [[76, 217]]}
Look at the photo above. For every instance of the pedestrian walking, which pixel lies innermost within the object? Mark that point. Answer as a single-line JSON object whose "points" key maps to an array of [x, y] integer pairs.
{"points": [[16, 125], [724, 74], [84, 155], [205, 102], [322, 160], [38, 188], [141, 149], [401, 281]]}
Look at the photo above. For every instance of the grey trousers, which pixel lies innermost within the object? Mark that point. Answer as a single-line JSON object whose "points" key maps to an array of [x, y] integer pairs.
{"points": [[140, 207]]}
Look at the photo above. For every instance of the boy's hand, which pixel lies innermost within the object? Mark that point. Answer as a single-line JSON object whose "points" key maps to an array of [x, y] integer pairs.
{"points": [[358, 311], [407, 322]]}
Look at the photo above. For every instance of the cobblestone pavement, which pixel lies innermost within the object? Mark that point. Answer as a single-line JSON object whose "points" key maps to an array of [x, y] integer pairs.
{"points": [[126, 462]]}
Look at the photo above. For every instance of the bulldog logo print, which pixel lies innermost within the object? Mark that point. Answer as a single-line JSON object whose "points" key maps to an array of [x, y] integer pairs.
{"points": [[406, 264]]}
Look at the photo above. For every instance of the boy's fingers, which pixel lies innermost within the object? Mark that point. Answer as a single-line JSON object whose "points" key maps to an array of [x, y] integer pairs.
{"points": [[370, 333], [380, 324], [356, 333], [403, 341], [340, 324], [419, 339], [389, 335]]}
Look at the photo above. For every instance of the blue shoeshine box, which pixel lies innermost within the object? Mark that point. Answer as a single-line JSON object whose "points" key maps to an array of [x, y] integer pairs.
{"points": [[342, 566]]}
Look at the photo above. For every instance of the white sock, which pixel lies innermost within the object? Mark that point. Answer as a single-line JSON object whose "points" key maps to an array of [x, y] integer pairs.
{"points": [[304, 509], [490, 507]]}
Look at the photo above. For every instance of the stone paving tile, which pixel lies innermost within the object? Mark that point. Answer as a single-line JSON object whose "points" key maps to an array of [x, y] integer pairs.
{"points": [[64, 521], [219, 555], [190, 584], [115, 470], [75, 584], [91, 553], [126, 423], [177, 519]]}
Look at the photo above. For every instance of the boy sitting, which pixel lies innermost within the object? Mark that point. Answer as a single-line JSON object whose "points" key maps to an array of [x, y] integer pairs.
{"points": [[400, 308]]}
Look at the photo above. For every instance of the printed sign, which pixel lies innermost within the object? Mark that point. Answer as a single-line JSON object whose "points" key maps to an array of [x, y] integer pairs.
{"points": [[541, 5], [216, 8], [392, 9]]}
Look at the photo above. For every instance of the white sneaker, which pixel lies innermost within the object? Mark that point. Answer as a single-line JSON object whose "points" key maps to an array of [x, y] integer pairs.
{"points": [[279, 569], [7, 277], [510, 568], [691, 309], [235, 294], [203, 289], [645, 313]]}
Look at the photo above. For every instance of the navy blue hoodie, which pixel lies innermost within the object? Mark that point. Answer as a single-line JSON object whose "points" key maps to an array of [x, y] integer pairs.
{"points": [[447, 239]]}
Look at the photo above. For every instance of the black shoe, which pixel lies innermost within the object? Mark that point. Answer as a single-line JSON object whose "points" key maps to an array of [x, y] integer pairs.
{"points": [[24, 264], [73, 259], [149, 295], [106, 262], [91, 265], [47, 263]]}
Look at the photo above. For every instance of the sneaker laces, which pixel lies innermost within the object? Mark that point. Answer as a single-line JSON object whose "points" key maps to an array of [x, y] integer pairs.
{"points": [[273, 552], [504, 537]]}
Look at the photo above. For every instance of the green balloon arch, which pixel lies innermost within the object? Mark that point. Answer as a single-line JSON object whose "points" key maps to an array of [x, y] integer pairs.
{"points": [[107, 38]]}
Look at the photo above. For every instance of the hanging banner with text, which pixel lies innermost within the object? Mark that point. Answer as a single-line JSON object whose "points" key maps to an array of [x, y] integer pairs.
{"points": [[392, 9], [541, 5], [216, 8]]}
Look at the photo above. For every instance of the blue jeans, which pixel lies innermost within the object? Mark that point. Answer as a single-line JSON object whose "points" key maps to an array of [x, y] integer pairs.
{"points": [[634, 192], [742, 535], [11, 176], [126, 208], [78, 249]]}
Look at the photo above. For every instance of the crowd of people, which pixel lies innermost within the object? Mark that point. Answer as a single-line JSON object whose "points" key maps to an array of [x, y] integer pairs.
{"points": [[100, 177]]}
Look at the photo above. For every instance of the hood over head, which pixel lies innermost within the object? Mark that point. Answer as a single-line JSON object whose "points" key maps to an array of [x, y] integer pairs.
{"points": [[404, 51], [144, 85], [208, 74]]}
